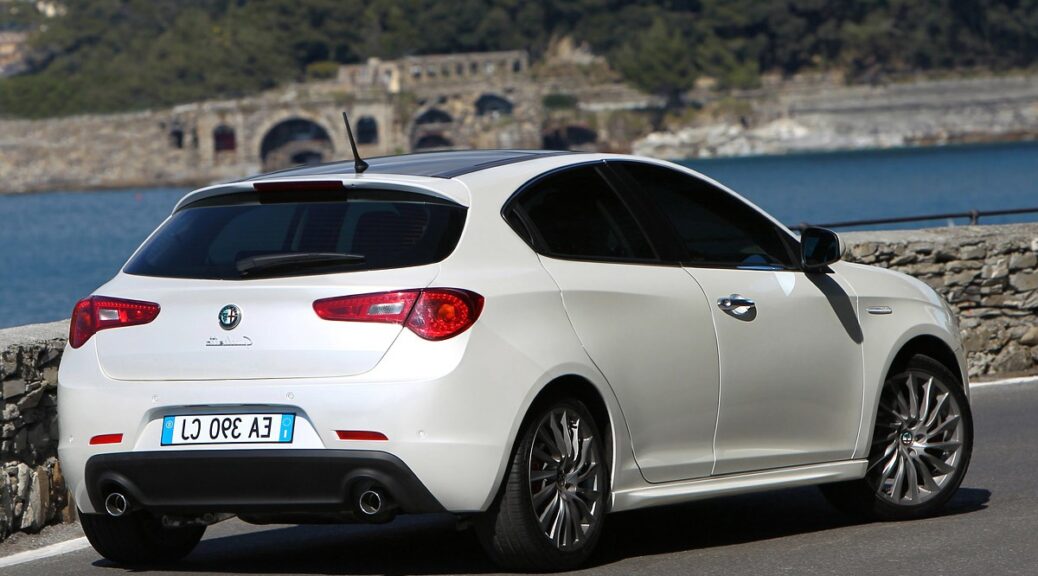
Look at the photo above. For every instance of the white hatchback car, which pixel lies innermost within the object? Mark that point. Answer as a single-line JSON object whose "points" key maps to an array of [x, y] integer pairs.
{"points": [[529, 339]]}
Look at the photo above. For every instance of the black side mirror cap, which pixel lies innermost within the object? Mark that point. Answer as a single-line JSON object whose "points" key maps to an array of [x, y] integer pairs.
{"points": [[819, 247]]}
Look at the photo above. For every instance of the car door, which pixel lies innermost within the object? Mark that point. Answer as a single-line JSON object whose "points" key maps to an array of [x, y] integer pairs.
{"points": [[645, 324], [789, 342]]}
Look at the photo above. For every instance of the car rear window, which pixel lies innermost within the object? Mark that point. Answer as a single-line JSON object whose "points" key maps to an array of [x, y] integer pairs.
{"points": [[212, 238]]}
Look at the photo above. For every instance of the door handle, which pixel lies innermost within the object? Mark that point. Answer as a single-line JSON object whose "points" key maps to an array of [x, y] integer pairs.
{"points": [[736, 304]]}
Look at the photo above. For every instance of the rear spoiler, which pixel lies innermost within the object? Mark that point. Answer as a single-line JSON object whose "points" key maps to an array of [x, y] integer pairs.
{"points": [[276, 191]]}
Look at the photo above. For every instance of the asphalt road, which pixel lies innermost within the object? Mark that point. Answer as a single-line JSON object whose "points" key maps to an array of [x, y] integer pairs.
{"points": [[990, 527]]}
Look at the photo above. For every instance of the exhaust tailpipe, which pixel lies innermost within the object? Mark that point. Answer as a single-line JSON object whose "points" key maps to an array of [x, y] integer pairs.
{"points": [[116, 504], [370, 502], [374, 505]]}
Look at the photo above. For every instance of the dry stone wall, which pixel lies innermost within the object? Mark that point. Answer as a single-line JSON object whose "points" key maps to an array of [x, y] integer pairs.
{"points": [[989, 274], [32, 490]]}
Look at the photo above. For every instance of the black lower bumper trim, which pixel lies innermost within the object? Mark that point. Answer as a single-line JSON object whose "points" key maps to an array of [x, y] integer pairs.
{"points": [[254, 481]]}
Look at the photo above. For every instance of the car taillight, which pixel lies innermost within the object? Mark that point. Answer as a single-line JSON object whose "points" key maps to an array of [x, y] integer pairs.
{"points": [[96, 313], [433, 313]]}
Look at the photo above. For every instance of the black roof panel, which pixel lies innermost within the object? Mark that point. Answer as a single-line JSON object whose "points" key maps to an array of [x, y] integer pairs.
{"points": [[447, 164]]}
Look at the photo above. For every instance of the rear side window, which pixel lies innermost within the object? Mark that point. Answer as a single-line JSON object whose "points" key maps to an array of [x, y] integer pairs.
{"points": [[217, 240], [715, 228], [575, 214]]}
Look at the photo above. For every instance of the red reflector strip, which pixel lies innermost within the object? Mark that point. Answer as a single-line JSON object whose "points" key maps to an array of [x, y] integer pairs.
{"points": [[106, 439], [360, 435]]}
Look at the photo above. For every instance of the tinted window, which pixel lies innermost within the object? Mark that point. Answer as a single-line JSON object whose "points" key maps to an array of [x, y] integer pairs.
{"points": [[576, 214], [208, 241], [714, 227]]}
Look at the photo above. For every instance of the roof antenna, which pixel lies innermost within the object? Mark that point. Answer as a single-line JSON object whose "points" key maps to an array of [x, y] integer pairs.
{"points": [[359, 165]]}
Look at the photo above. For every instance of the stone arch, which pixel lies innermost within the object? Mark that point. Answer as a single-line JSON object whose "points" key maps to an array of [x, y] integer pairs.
{"points": [[433, 116], [295, 140], [433, 141], [224, 139], [572, 137], [367, 130], [490, 104]]}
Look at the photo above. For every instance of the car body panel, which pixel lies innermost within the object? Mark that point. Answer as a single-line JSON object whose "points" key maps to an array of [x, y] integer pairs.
{"points": [[453, 410]]}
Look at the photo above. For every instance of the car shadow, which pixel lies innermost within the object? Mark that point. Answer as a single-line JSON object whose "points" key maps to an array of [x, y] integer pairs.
{"points": [[435, 545]]}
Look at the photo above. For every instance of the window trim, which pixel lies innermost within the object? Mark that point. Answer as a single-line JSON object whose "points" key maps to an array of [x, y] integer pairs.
{"points": [[673, 238], [536, 241]]}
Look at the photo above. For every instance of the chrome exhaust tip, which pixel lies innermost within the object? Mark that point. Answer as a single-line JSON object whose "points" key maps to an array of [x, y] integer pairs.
{"points": [[370, 502], [116, 504]]}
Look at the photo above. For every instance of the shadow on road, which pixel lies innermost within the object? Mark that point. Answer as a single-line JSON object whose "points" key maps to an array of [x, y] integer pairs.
{"points": [[433, 545]]}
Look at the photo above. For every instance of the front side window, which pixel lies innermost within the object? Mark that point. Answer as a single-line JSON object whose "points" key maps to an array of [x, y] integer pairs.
{"points": [[714, 227], [576, 214]]}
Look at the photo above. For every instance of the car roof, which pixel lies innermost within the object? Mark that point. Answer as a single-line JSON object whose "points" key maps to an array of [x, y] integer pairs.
{"points": [[445, 164]]}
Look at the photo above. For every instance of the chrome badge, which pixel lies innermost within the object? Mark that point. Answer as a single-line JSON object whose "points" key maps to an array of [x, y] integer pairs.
{"points": [[230, 317]]}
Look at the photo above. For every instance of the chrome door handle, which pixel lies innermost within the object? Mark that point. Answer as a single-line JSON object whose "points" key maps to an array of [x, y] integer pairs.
{"points": [[735, 302]]}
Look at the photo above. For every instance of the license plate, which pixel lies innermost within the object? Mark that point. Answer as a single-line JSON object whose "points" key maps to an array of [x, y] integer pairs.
{"points": [[228, 429]]}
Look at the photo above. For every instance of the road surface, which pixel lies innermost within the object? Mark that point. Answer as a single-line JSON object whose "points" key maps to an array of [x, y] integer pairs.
{"points": [[990, 527]]}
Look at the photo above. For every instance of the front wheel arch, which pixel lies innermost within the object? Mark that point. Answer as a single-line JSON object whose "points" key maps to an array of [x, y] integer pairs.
{"points": [[927, 345]]}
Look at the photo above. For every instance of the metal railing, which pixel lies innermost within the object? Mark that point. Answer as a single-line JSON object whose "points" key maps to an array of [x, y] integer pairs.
{"points": [[973, 215]]}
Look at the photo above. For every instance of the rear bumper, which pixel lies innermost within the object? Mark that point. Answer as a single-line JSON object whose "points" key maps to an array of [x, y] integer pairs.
{"points": [[245, 482]]}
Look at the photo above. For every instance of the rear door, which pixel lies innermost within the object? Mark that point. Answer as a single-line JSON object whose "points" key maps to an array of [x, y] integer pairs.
{"points": [[789, 342], [645, 324], [236, 287]]}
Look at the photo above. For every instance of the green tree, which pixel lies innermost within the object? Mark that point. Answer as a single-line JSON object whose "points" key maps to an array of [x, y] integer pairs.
{"points": [[660, 60]]}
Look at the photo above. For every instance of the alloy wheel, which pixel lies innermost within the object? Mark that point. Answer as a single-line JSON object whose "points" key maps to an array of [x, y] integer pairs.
{"points": [[917, 444], [565, 478]]}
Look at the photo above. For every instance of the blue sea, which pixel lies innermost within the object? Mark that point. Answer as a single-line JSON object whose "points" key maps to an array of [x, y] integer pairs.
{"points": [[58, 247]]}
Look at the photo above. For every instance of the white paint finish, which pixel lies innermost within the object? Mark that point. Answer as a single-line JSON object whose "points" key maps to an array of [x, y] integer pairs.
{"points": [[676, 492], [66, 547], [286, 337], [791, 372], [648, 330], [459, 404]]}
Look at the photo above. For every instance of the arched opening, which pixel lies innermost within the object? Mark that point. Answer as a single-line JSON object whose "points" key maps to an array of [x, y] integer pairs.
{"points": [[493, 105], [367, 130], [434, 116], [176, 138], [569, 138], [433, 142], [293, 142], [224, 139]]}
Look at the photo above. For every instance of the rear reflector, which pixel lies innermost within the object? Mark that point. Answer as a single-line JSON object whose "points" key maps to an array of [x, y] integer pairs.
{"points": [[106, 439], [433, 313], [360, 435], [96, 313]]}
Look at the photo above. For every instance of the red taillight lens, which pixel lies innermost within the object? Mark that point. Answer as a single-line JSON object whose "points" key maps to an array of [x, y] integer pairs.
{"points": [[433, 313], [444, 312], [97, 313], [390, 307]]}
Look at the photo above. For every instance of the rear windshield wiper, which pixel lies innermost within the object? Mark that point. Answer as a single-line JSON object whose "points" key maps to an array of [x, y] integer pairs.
{"points": [[294, 261]]}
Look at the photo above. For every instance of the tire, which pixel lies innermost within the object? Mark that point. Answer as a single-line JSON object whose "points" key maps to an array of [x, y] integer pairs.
{"points": [[548, 479], [139, 539], [928, 450]]}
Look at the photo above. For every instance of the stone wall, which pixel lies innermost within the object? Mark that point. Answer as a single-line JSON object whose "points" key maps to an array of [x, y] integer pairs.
{"points": [[987, 273], [32, 491]]}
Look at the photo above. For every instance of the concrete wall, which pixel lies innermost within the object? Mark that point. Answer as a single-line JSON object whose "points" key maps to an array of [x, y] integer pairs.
{"points": [[988, 273]]}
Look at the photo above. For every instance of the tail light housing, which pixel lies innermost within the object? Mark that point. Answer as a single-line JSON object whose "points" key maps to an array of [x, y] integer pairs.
{"points": [[96, 313], [432, 313]]}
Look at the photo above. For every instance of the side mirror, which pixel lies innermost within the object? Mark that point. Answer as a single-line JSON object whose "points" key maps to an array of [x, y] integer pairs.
{"points": [[819, 247]]}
